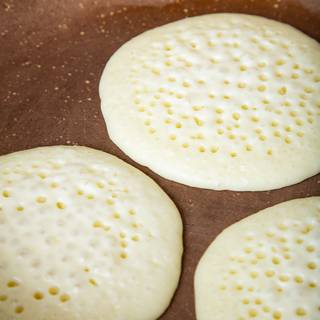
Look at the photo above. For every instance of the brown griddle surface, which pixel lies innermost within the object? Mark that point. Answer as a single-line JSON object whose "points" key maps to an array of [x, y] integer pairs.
{"points": [[52, 54]]}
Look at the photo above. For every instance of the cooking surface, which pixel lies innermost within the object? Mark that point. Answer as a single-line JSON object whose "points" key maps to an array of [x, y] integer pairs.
{"points": [[52, 54]]}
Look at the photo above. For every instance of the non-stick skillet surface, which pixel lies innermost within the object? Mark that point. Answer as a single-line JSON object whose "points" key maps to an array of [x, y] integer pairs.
{"points": [[52, 53]]}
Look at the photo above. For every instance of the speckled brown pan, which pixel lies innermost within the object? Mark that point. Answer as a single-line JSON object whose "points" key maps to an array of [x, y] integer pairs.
{"points": [[52, 54]]}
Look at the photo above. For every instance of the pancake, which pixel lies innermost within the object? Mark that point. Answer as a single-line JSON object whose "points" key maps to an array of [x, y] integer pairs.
{"points": [[266, 266], [83, 235], [221, 101]]}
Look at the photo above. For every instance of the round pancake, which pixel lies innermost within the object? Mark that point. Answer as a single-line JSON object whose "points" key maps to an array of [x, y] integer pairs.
{"points": [[266, 266], [221, 101], [83, 235]]}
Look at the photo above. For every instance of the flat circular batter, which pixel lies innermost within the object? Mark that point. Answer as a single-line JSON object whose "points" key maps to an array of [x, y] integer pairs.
{"points": [[266, 266], [84, 236], [221, 101]]}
